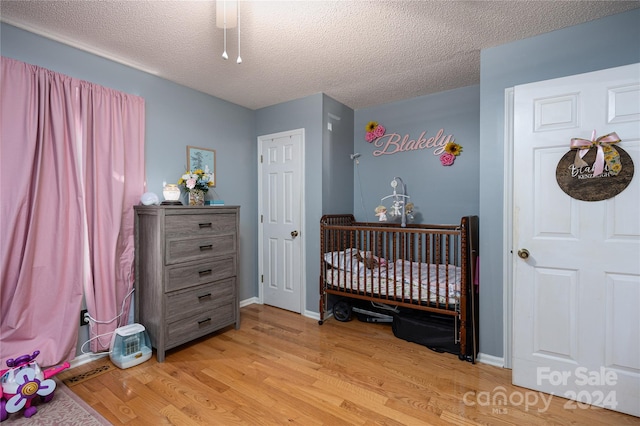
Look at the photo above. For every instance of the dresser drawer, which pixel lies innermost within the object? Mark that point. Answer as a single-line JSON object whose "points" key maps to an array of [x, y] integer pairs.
{"points": [[190, 302], [202, 248], [200, 324], [196, 225], [187, 275]]}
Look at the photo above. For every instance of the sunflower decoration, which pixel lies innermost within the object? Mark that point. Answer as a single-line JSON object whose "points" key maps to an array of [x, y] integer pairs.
{"points": [[453, 148], [374, 131], [451, 151]]}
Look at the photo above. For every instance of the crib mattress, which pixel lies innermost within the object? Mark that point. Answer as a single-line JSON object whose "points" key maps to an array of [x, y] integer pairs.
{"points": [[402, 280]]}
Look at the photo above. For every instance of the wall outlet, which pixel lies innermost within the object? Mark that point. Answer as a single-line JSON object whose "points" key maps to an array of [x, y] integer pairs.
{"points": [[84, 317]]}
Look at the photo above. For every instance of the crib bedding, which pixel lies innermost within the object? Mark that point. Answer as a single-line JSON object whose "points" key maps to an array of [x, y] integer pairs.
{"points": [[402, 279]]}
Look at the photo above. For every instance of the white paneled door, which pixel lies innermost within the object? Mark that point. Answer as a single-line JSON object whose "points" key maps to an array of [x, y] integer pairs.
{"points": [[281, 201], [576, 325]]}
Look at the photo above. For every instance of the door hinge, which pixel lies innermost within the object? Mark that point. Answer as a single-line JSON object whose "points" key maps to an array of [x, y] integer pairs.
{"points": [[261, 278], [261, 219], [261, 158]]}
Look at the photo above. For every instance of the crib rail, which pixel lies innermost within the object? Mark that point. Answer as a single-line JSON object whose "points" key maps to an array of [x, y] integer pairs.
{"points": [[389, 262]]}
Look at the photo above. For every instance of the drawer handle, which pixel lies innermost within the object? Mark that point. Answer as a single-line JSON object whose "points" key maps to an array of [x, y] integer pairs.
{"points": [[203, 322], [208, 247], [204, 225], [204, 296], [207, 272]]}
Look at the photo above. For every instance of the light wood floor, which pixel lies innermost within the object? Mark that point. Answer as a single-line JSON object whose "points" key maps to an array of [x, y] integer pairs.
{"points": [[283, 368]]}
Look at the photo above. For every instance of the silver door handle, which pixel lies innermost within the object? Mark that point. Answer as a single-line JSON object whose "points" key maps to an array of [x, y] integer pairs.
{"points": [[523, 253], [294, 234]]}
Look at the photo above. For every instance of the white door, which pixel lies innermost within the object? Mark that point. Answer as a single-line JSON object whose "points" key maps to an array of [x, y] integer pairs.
{"points": [[281, 199], [576, 325]]}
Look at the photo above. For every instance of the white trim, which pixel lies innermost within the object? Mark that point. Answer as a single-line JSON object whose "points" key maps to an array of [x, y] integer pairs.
{"points": [[507, 241], [490, 360], [305, 312], [303, 228], [311, 314], [250, 301], [260, 225], [86, 358], [75, 43]]}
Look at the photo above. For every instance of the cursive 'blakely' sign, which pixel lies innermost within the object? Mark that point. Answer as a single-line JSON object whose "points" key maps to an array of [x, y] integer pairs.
{"points": [[393, 143]]}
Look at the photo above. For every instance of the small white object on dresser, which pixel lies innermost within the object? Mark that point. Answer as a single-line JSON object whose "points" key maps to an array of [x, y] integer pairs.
{"points": [[186, 272]]}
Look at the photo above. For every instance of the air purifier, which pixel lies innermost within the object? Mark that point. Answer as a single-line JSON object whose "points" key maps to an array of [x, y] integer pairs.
{"points": [[130, 346]]}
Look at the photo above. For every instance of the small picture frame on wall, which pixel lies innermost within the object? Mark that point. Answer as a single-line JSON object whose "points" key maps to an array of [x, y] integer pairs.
{"points": [[202, 158]]}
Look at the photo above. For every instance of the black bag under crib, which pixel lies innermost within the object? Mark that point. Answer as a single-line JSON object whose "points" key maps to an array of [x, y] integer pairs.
{"points": [[436, 332]]}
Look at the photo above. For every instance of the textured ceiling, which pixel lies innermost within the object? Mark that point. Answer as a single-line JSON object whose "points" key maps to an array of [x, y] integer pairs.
{"points": [[361, 53]]}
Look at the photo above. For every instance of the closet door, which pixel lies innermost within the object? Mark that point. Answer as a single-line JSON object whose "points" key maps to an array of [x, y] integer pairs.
{"points": [[281, 200]]}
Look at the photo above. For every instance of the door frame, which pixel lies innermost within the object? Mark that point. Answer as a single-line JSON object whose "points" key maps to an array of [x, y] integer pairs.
{"points": [[507, 234], [303, 228]]}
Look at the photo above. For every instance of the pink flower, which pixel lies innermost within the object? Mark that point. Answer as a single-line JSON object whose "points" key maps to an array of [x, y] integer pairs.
{"points": [[370, 136], [447, 159], [191, 183], [379, 131]]}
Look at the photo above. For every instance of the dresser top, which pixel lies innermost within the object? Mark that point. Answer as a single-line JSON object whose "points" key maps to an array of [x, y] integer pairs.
{"points": [[190, 208]]}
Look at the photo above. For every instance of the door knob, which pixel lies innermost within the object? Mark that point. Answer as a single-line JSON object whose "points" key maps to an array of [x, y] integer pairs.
{"points": [[523, 253], [294, 234]]}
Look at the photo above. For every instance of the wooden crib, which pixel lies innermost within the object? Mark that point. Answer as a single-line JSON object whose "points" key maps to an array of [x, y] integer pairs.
{"points": [[419, 267]]}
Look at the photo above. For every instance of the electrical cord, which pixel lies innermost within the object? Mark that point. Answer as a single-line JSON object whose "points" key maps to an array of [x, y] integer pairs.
{"points": [[95, 321]]}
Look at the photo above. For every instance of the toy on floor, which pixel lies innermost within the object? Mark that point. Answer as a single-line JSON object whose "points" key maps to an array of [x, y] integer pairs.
{"points": [[22, 382]]}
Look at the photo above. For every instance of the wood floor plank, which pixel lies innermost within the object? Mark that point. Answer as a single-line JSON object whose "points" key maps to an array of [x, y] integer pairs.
{"points": [[176, 416], [115, 405], [283, 368]]}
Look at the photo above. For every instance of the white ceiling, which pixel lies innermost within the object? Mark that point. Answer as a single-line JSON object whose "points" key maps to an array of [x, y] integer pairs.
{"points": [[361, 53]]}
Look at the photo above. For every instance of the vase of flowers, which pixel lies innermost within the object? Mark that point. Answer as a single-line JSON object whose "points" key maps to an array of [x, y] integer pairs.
{"points": [[196, 183], [196, 197]]}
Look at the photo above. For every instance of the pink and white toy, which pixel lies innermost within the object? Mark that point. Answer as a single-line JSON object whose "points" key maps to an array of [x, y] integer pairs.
{"points": [[22, 382]]}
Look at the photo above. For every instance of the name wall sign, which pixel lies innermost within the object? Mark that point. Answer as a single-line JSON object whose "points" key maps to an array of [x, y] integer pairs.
{"points": [[595, 170], [393, 143]]}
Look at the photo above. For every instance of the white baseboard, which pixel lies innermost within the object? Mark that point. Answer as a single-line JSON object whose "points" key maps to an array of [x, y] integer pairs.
{"points": [[86, 358], [306, 313], [491, 360], [249, 301]]}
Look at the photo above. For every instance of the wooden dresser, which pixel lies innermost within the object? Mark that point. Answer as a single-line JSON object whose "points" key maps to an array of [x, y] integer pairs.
{"points": [[186, 272]]}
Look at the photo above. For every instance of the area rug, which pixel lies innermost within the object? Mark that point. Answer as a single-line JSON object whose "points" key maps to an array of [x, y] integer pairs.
{"points": [[66, 408]]}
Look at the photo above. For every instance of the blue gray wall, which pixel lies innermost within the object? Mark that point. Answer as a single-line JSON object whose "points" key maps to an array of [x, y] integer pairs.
{"points": [[440, 194], [326, 155], [604, 43], [337, 167], [326, 170], [302, 113]]}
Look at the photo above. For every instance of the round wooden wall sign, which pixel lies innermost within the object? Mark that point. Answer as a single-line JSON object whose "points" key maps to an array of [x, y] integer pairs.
{"points": [[579, 183]]}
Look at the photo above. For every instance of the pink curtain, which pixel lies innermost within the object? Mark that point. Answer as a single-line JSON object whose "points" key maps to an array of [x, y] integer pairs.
{"points": [[57, 171], [113, 132]]}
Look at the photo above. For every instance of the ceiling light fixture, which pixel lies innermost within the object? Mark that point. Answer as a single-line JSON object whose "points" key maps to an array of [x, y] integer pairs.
{"points": [[228, 16]]}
